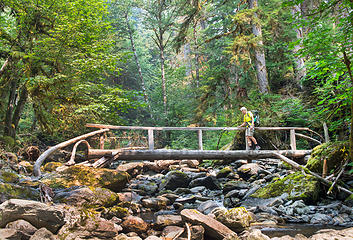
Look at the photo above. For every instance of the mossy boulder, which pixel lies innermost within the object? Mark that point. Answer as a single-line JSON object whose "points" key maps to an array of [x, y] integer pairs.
{"points": [[237, 219], [224, 172], [9, 177], [89, 197], [174, 180], [86, 176], [335, 154], [52, 166], [9, 191], [296, 185]]}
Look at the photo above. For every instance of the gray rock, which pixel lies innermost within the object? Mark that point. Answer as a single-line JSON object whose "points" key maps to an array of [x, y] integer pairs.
{"points": [[320, 218], [248, 170], [12, 234], [156, 203], [37, 213], [43, 233], [298, 204], [198, 189], [167, 220], [209, 182], [208, 206], [174, 180], [170, 232], [23, 226], [256, 234]]}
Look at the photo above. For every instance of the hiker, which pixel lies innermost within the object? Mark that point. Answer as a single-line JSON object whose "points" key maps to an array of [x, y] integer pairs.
{"points": [[249, 123]]}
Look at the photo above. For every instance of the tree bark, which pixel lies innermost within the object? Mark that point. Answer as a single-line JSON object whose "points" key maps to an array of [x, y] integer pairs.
{"points": [[299, 61], [260, 61], [9, 129], [19, 109], [164, 88], [143, 84]]}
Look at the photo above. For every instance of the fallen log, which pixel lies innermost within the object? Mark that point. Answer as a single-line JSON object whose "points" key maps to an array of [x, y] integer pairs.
{"points": [[300, 167], [163, 154], [48, 152], [309, 138]]}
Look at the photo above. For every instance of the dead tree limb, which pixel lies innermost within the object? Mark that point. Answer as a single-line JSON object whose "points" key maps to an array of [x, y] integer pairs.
{"points": [[300, 167], [307, 137], [338, 176], [73, 153], [48, 152]]}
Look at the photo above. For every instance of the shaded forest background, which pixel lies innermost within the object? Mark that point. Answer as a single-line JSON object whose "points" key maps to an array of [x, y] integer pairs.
{"points": [[173, 63]]}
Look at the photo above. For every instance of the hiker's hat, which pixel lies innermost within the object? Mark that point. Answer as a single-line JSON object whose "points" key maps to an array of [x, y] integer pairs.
{"points": [[243, 108]]}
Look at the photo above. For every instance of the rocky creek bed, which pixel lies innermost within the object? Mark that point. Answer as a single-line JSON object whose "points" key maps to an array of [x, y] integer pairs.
{"points": [[170, 200]]}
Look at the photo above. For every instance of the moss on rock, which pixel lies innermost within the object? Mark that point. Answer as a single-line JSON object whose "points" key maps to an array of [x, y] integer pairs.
{"points": [[8, 191], [81, 175], [297, 185], [335, 154], [9, 177], [51, 166]]}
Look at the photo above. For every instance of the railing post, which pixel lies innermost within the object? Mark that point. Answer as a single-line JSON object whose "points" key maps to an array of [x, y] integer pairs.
{"points": [[199, 132], [101, 141], [246, 142], [150, 139], [293, 142]]}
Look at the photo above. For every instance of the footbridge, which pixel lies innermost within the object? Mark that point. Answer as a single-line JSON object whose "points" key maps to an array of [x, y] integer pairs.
{"points": [[145, 147]]}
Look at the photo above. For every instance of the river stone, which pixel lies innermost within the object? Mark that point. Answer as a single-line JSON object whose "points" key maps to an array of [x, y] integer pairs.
{"points": [[156, 203], [170, 232], [134, 224], [197, 232], [224, 172], [79, 175], [132, 168], [256, 234], [297, 185], [43, 233], [167, 220], [344, 234], [198, 189], [248, 170], [153, 238], [12, 234], [319, 218], [237, 219], [231, 185], [37, 213], [9, 191], [174, 180], [23, 226], [213, 228], [87, 196], [209, 182], [208, 206]]}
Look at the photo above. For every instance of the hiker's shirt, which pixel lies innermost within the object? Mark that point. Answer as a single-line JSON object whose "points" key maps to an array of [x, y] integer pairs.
{"points": [[248, 119]]}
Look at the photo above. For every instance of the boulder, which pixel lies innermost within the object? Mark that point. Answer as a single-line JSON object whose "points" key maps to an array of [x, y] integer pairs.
{"points": [[8, 176], [248, 170], [163, 221], [256, 234], [224, 172], [23, 226], [79, 175], [12, 234], [134, 224], [174, 180], [87, 196], [9, 191], [43, 233], [155, 203], [170, 232], [237, 219], [52, 166], [344, 234], [209, 182], [37, 213], [296, 185], [208, 206], [335, 154], [213, 228], [231, 185], [132, 168]]}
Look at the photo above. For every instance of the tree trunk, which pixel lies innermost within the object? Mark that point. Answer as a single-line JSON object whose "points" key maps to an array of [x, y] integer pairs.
{"points": [[143, 85], [260, 61], [19, 108], [9, 129], [164, 88], [197, 60], [299, 61]]}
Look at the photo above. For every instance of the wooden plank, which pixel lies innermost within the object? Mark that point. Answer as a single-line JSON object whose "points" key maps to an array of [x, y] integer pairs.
{"points": [[150, 139], [194, 128], [48, 152], [293, 142], [199, 133]]}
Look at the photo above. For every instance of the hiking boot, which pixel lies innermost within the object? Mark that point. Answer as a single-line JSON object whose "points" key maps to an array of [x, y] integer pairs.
{"points": [[257, 147]]}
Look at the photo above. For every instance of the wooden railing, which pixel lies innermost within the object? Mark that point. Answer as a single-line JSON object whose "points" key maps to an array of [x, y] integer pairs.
{"points": [[199, 130]]}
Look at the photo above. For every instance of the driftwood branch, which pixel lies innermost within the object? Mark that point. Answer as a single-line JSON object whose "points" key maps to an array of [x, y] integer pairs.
{"points": [[338, 176], [307, 137], [302, 168], [73, 153], [48, 152]]}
